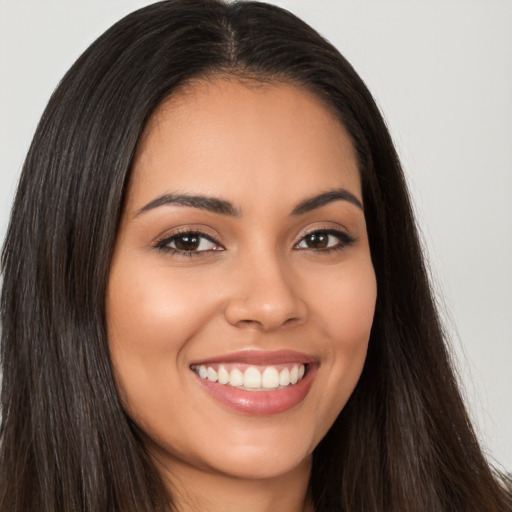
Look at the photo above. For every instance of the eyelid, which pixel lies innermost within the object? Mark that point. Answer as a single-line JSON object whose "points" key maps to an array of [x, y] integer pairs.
{"points": [[162, 242], [346, 239]]}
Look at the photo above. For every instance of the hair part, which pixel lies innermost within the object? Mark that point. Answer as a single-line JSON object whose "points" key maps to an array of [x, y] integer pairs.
{"points": [[403, 441]]}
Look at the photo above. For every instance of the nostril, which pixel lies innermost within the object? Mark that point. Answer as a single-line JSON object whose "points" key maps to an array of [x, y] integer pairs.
{"points": [[249, 323], [292, 321], [260, 324]]}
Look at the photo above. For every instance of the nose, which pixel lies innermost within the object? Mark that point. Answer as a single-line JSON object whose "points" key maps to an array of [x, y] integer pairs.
{"points": [[265, 295]]}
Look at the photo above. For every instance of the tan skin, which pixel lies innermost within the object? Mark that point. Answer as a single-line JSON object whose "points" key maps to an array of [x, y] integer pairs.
{"points": [[268, 278]]}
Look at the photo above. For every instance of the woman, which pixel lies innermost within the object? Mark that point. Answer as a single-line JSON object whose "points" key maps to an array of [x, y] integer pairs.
{"points": [[214, 296]]}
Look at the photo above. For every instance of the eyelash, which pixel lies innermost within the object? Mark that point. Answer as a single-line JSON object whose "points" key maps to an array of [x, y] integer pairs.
{"points": [[163, 245], [345, 240]]}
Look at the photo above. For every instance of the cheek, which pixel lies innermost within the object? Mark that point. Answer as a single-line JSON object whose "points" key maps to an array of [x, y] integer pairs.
{"points": [[347, 306], [150, 318], [345, 315], [151, 312]]}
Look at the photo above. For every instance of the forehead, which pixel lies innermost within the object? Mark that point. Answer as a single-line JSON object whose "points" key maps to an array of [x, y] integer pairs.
{"points": [[219, 136]]}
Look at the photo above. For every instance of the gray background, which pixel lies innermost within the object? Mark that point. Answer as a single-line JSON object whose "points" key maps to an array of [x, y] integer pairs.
{"points": [[441, 71]]}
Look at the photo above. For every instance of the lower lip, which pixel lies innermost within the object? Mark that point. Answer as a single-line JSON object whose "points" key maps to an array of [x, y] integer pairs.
{"points": [[260, 402]]}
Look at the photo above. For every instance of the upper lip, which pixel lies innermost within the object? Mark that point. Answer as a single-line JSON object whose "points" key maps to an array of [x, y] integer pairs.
{"points": [[258, 357]]}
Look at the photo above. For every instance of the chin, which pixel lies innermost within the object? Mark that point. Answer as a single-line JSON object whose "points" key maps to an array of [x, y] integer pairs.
{"points": [[261, 464]]}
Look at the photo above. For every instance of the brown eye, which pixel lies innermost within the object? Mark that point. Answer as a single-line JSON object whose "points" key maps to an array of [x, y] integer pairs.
{"points": [[188, 243], [324, 240], [318, 240]]}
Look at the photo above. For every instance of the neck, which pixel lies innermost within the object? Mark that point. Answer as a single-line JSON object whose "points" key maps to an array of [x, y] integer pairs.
{"points": [[195, 490]]}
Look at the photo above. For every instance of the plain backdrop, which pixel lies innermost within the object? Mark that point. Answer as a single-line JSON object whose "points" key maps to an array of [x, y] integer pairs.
{"points": [[441, 71]]}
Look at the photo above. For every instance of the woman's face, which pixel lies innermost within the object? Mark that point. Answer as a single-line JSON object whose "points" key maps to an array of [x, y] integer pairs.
{"points": [[241, 291]]}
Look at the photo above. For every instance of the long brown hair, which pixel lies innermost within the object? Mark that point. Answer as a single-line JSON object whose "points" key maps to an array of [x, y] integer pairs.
{"points": [[402, 443]]}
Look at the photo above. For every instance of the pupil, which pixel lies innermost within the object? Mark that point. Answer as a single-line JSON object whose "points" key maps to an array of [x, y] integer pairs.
{"points": [[318, 240], [187, 242]]}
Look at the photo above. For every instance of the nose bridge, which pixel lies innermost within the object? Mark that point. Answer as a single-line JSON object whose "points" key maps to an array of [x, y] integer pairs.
{"points": [[265, 294]]}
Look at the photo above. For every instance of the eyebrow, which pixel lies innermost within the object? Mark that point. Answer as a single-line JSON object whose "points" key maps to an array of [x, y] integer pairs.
{"points": [[210, 204], [223, 207], [340, 194]]}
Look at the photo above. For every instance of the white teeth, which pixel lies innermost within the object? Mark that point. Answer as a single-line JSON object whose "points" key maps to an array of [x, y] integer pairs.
{"points": [[211, 374], [236, 378], [223, 375], [270, 378], [284, 377], [294, 375], [253, 379]]}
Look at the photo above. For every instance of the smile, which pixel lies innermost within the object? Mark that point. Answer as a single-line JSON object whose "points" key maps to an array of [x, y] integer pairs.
{"points": [[252, 378], [257, 383]]}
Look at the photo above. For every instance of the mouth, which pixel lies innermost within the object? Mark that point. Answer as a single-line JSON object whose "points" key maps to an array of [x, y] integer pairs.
{"points": [[254, 382], [252, 378]]}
